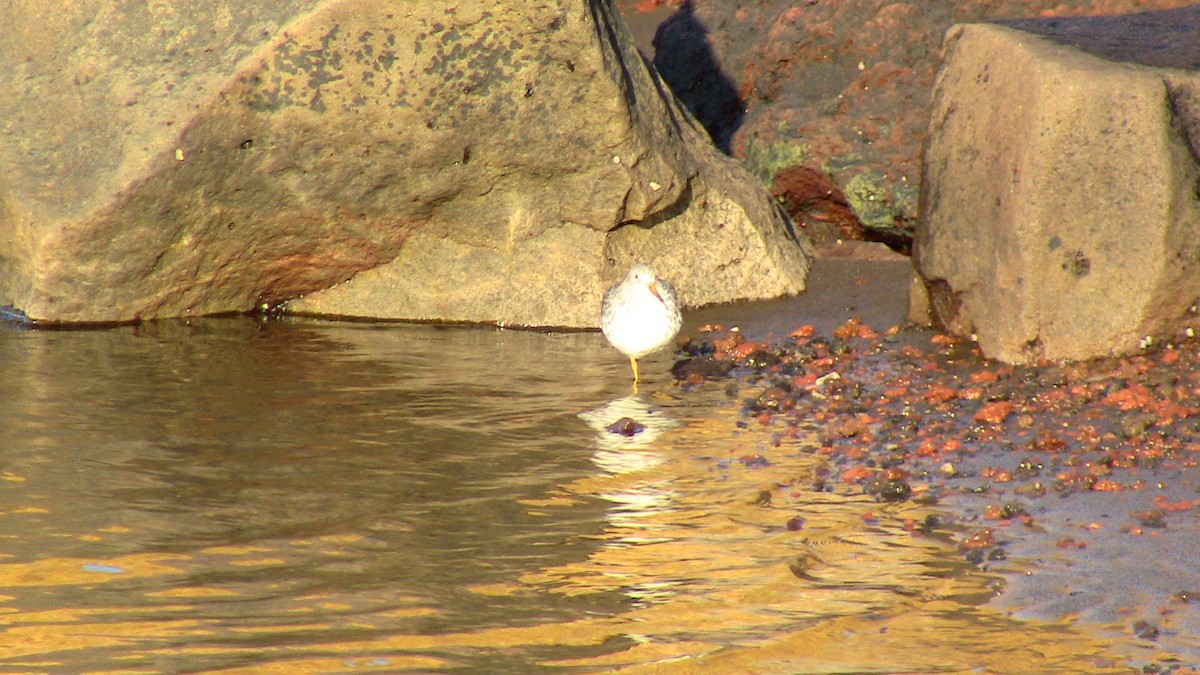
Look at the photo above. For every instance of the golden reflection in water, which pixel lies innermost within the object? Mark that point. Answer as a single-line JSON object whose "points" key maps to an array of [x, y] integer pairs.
{"points": [[720, 585], [315, 498], [197, 496], [619, 453]]}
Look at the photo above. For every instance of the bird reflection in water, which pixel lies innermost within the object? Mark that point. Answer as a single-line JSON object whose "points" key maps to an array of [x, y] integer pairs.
{"points": [[624, 445]]}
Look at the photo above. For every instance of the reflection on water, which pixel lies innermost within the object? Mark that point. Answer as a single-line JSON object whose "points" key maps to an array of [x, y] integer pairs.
{"points": [[631, 449], [634, 509], [262, 485], [230, 494]]}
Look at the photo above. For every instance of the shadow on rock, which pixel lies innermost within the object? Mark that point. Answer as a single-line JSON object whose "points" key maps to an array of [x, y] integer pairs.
{"points": [[685, 58]]}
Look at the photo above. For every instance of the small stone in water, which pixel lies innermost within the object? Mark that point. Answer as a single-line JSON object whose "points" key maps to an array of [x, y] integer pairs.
{"points": [[774, 399], [1135, 423], [1013, 510], [801, 564], [994, 413], [627, 426], [1145, 630], [888, 490], [754, 461], [978, 540], [895, 491], [1152, 518]]}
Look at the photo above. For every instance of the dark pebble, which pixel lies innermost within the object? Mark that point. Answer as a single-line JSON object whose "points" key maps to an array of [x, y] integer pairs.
{"points": [[1135, 423], [1114, 386], [775, 399], [1145, 630], [701, 367], [1012, 510], [1001, 391], [1053, 376], [1154, 518], [754, 461], [895, 491], [627, 426], [887, 490], [761, 359]]}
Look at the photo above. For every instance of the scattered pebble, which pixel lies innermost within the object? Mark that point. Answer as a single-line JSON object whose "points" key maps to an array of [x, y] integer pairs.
{"points": [[899, 421], [626, 426]]}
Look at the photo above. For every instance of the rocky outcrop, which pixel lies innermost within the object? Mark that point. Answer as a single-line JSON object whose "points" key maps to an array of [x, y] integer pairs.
{"points": [[476, 162], [838, 87], [1061, 193]]}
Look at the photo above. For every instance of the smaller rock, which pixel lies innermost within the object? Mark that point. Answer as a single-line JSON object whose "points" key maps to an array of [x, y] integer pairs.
{"points": [[700, 368], [1145, 630], [895, 491], [1054, 376], [817, 204], [626, 426], [1154, 518], [1135, 423], [979, 539], [775, 399], [994, 413]]}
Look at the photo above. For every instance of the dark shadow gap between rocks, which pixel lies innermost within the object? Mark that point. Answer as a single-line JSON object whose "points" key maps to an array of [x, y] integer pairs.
{"points": [[684, 56]]}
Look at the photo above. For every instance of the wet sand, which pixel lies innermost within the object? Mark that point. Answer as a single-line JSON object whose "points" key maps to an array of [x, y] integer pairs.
{"points": [[867, 284]]}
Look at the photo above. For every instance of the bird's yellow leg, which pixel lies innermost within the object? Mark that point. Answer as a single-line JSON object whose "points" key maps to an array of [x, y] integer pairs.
{"points": [[635, 369]]}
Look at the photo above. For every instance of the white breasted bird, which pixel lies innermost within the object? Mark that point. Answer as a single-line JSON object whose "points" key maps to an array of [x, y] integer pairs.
{"points": [[640, 315]]}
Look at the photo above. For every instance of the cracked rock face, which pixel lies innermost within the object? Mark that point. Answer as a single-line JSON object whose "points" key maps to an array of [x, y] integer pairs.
{"points": [[1061, 189], [483, 162]]}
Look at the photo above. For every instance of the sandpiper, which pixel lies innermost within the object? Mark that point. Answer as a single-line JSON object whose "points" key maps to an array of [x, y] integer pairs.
{"points": [[640, 314]]}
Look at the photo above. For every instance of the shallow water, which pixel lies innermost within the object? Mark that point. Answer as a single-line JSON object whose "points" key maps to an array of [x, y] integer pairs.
{"points": [[305, 496]]}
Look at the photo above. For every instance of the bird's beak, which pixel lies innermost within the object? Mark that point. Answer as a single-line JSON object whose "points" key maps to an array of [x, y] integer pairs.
{"points": [[653, 286]]}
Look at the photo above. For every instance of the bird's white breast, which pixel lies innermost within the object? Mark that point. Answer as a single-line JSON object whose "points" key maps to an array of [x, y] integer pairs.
{"points": [[639, 322]]}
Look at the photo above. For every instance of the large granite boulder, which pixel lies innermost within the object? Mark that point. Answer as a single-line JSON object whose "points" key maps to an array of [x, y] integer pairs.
{"points": [[1061, 192], [840, 87], [478, 161]]}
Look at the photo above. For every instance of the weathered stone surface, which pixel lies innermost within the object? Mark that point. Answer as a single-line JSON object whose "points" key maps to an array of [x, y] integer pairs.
{"points": [[476, 162], [839, 87], [1060, 204]]}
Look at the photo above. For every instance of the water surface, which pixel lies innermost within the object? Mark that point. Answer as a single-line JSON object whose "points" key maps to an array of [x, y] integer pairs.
{"points": [[306, 496]]}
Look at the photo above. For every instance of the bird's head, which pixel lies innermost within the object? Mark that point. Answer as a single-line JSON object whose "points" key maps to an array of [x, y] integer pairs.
{"points": [[644, 274]]}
